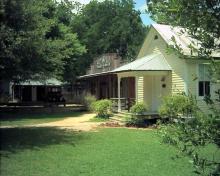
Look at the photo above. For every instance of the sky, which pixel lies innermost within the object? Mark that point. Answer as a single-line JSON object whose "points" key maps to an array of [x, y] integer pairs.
{"points": [[139, 5]]}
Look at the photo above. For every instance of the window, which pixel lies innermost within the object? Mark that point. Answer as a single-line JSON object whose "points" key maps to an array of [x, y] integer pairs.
{"points": [[204, 80]]}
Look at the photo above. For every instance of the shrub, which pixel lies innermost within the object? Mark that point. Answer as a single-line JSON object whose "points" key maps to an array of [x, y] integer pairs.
{"points": [[137, 118], [102, 108], [175, 106], [139, 108], [89, 101]]}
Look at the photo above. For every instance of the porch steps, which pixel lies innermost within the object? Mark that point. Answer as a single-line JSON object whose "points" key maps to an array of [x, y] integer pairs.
{"points": [[150, 115], [120, 117]]}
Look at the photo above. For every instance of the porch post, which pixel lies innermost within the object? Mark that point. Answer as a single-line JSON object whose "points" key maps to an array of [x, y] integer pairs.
{"points": [[11, 91], [119, 94], [34, 93], [136, 89]]}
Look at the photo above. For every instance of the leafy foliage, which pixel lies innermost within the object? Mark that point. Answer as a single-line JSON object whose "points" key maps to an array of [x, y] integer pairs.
{"points": [[139, 108], [191, 136], [110, 26], [36, 41], [203, 24], [89, 101], [102, 108], [137, 118], [175, 106], [40, 39], [192, 133]]}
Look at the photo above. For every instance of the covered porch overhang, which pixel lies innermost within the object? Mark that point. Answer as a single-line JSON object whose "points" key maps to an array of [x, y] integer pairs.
{"points": [[152, 76]]}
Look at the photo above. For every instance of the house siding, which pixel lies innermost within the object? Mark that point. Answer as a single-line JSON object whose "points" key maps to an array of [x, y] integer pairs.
{"points": [[178, 85], [184, 72], [148, 91], [178, 77], [140, 88], [193, 85], [192, 78]]}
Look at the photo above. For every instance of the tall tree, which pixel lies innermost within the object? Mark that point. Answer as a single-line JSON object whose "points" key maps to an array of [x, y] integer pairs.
{"points": [[110, 26], [35, 41], [201, 20]]}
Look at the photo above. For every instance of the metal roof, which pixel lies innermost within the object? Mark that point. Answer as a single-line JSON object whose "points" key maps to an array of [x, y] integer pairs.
{"points": [[95, 74], [182, 38], [152, 62], [48, 82]]}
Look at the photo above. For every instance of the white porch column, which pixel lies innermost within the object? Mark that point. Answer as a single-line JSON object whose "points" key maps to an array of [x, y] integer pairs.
{"points": [[119, 94], [136, 89], [11, 91]]}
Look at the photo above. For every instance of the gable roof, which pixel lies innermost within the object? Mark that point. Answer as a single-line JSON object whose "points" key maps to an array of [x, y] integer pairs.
{"points": [[152, 62], [183, 40]]}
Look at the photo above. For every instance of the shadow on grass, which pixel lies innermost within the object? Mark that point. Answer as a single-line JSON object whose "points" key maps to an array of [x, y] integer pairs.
{"points": [[21, 116], [18, 139]]}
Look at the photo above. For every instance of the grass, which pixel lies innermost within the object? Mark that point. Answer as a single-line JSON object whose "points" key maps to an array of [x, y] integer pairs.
{"points": [[108, 152], [31, 119]]}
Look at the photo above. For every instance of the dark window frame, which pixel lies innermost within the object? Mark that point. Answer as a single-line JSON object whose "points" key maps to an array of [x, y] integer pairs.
{"points": [[204, 82], [204, 88]]}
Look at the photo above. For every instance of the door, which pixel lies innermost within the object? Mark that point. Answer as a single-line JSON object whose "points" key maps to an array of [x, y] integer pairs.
{"points": [[41, 93], [103, 90], [26, 93]]}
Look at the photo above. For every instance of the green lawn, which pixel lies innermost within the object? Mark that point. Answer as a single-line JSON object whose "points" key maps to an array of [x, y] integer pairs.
{"points": [[31, 119], [108, 152]]}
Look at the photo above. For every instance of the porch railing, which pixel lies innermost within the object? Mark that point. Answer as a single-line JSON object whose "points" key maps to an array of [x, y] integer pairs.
{"points": [[126, 103]]}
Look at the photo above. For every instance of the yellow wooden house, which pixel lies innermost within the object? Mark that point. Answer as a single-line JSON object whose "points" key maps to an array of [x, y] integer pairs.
{"points": [[158, 73]]}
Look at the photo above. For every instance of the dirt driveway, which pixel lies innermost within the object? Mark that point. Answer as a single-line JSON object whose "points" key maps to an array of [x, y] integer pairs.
{"points": [[80, 123]]}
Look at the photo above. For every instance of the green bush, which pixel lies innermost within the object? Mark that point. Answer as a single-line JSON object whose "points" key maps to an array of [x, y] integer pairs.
{"points": [[138, 118], [102, 108], [139, 108], [175, 106], [89, 101]]}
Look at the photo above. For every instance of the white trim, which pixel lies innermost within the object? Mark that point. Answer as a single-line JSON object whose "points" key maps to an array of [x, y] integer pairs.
{"points": [[152, 92], [119, 93], [136, 89], [186, 79], [197, 82], [147, 41]]}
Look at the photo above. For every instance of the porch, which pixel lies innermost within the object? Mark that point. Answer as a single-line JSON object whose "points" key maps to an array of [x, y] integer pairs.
{"points": [[150, 88], [106, 86], [153, 80], [144, 80]]}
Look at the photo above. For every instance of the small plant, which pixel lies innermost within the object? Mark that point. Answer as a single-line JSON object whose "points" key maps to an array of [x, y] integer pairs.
{"points": [[175, 106], [139, 108], [137, 118], [103, 108], [89, 101]]}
